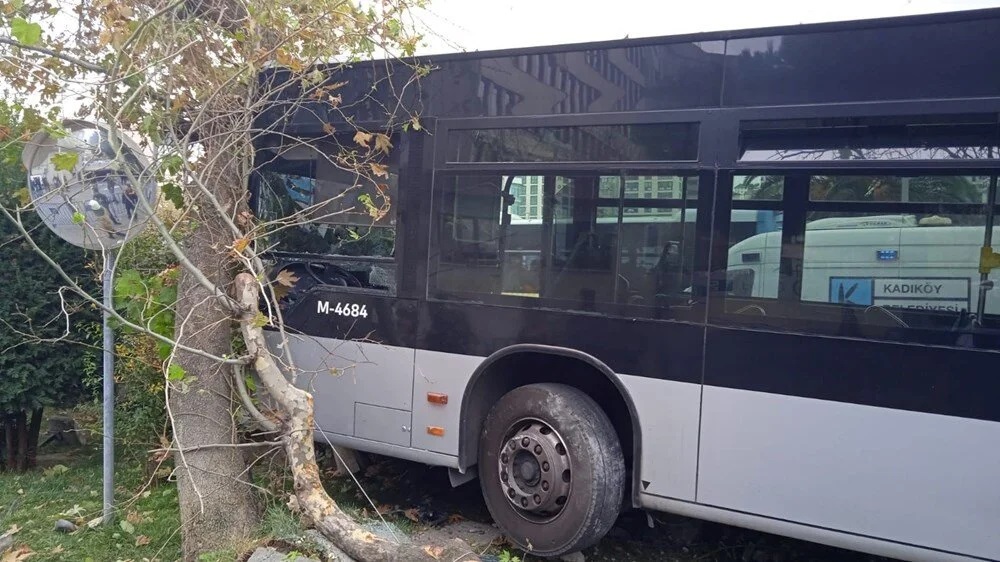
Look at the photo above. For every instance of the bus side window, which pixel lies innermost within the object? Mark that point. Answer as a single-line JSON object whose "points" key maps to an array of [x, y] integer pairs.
{"points": [[875, 256], [918, 262], [327, 215], [656, 259]]}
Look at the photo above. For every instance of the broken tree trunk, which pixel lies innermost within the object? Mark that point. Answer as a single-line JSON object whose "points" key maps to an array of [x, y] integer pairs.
{"points": [[297, 409]]}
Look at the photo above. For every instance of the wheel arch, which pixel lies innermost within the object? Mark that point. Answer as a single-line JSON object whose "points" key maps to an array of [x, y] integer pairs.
{"points": [[522, 364]]}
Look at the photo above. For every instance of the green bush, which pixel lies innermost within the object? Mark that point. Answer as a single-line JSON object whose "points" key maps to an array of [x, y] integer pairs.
{"points": [[145, 291], [42, 326]]}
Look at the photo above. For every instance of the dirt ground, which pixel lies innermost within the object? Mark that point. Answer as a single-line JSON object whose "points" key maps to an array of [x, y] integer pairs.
{"points": [[425, 494]]}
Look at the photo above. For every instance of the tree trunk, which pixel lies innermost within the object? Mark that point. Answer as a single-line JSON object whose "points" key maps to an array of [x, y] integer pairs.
{"points": [[33, 430], [297, 406], [218, 506], [10, 449], [22, 442]]}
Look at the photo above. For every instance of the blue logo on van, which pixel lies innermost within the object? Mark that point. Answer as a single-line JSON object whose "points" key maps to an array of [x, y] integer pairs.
{"points": [[887, 255], [852, 290]]}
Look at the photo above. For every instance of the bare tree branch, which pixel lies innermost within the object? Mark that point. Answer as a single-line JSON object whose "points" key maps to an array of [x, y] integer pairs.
{"points": [[46, 51]]}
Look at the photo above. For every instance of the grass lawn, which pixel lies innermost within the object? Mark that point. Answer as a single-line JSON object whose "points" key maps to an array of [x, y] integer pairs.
{"points": [[68, 486]]}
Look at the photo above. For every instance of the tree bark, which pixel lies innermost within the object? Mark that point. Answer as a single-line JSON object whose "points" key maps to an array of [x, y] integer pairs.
{"points": [[219, 507], [297, 436]]}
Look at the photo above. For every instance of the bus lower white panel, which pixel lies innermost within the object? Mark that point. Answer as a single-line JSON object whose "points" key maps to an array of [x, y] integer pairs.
{"points": [[804, 532], [339, 373], [668, 415], [442, 373], [915, 478]]}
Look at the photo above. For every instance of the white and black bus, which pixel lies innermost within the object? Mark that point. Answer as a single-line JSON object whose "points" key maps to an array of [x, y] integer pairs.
{"points": [[743, 276]]}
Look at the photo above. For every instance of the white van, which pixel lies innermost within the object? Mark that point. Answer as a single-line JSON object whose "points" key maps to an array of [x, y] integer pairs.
{"points": [[892, 261]]}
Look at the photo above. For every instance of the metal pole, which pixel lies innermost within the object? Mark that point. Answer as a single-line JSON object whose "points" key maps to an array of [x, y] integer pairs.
{"points": [[109, 392]]}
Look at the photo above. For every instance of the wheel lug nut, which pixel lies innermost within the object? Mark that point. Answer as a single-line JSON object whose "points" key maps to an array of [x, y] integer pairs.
{"points": [[538, 499], [545, 466], [503, 476], [538, 449], [512, 444], [525, 442], [510, 493], [545, 484], [524, 502], [504, 458]]}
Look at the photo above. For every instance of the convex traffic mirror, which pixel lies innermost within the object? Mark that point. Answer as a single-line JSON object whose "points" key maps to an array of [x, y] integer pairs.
{"points": [[86, 185]]}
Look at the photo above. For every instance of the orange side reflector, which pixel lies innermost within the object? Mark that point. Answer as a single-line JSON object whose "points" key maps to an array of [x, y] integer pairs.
{"points": [[435, 431], [437, 398]]}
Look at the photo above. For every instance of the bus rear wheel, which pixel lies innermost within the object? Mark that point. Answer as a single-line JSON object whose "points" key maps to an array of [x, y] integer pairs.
{"points": [[551, 469]]}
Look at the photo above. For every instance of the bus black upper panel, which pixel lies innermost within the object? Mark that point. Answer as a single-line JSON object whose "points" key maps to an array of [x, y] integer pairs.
{"points": [[831, 63]]}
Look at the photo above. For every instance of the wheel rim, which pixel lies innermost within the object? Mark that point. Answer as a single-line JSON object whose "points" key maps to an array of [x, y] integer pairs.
{"points": [[534, 469]]}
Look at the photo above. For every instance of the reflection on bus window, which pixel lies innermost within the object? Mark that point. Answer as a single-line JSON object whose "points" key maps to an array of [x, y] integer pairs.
{"points": [[903, 262], [912, 263], [927, 189], [754, 239], [754, 253], [318, 207], [568, 238], [758, 188]]}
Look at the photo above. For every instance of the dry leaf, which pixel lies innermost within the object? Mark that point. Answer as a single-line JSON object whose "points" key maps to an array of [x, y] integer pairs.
{"points": [[412, 514], [434, 552], [379, 169], [18, 554], [13, 529], [455, 518], [133, 517], [283, 281], [240, 245], [382, 143], [286, 277], [57, 549], [383, 509], [362, 138], [179, 102], [329, 129], [141, 540]]}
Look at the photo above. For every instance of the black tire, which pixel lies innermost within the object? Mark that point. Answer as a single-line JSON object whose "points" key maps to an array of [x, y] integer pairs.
{"points": [[514, 451]]}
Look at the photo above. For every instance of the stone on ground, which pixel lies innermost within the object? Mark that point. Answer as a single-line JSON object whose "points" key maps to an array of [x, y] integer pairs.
{"points": [[270, 554], [64, 526]]}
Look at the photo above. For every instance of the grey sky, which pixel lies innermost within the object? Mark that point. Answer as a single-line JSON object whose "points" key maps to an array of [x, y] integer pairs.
{"points": [[493, 24]]}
